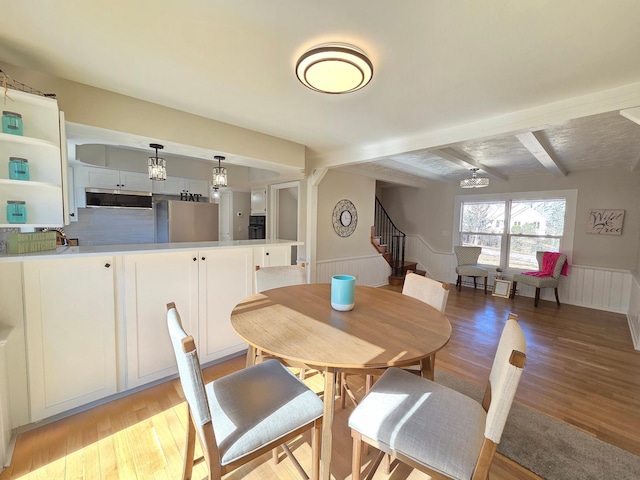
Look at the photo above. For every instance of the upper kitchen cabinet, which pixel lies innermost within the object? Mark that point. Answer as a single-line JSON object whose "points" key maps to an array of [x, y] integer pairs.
{"points": [[259, 201], [35, 185], [97, 177]]}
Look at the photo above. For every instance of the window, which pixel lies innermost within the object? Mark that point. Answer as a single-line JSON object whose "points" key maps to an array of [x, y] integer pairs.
{"points": [[511, 228]]}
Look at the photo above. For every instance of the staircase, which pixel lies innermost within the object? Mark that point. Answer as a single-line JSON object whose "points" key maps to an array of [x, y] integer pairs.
{"points": [[390, 241]]}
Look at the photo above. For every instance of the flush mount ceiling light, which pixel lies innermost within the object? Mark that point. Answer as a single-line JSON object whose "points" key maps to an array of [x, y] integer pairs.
{"points": [[474, 181], [334, 68], [157, 165], [219, 178]]}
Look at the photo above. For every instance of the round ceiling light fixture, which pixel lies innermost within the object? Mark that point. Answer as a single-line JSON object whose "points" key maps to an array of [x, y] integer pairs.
{"points": [[334, 68]]}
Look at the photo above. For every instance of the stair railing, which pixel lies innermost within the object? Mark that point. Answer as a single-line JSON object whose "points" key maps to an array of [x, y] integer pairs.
{"points": [[390, 235]]}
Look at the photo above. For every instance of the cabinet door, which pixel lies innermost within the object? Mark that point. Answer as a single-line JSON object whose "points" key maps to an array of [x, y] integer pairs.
{"points": [[276, 256], [135, 182], [71, 334], [170, 186], [259, 201], [150, 282], [225, 280], [100, 178], [200, 187]]}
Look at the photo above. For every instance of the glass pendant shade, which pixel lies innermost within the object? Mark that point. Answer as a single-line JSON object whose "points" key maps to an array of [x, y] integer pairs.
{"points": [[474, 181], [219, 177], [157, 165]]}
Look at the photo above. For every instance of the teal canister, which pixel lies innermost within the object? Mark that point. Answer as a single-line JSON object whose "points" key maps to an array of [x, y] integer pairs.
{"points": [[16, 211], [11, 123], [18, 168]]}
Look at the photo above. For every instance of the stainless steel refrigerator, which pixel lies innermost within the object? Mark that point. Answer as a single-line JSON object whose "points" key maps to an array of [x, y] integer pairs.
{"points": [[180, 221]]}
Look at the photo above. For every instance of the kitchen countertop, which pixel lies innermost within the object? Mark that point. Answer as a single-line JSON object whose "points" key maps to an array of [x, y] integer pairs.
{"points": [[87, 251]]}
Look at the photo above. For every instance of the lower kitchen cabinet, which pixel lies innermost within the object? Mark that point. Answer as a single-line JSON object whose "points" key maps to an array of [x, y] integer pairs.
{"points": [[71, 332], [205, 286], [150, 282], [225, 280]]}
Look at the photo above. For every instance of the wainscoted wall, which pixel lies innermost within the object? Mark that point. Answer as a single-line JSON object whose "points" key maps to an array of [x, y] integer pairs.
{"points": [[633, 316], [112, 226], [370, 270], [585, 286]]}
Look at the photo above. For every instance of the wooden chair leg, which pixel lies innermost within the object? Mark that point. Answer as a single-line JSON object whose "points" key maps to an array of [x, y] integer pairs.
{"points": [[189, 450], [557, 298], [386, 464], [485, 285], [459, 283], [274, 456], [316, 434], [356, 457], [474, 282], [513, 290], [535, 303]]}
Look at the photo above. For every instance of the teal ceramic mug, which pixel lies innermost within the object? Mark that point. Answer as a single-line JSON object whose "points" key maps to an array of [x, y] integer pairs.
{"points": [[343, 291]]}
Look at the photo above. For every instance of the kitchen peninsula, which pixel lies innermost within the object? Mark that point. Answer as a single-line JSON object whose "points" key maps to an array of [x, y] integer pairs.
{"points": [[89, 322]]}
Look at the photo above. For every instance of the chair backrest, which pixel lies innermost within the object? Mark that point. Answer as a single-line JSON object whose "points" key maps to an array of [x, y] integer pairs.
{"points": [[190, 373], [426, 290], [559, 263], [275, 277], [467, 255], [504, 378]]}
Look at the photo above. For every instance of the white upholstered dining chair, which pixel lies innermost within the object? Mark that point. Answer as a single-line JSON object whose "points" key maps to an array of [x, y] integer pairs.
{"points": [[245, 414], [436, 429]]}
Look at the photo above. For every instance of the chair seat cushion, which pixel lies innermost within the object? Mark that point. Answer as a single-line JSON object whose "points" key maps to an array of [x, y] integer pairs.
{"points": [[472, 271], [257, 405], [430, 423], [538, 282]]}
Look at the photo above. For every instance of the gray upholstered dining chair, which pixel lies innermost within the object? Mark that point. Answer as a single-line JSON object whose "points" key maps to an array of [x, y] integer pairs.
{"points": [[436, 429], [468, 265], [541, 281], [281, 276], [245, 414]]}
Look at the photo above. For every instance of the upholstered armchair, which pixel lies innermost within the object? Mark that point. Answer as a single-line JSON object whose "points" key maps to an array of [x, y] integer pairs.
{"points": [[468, 266], [541, 281]]}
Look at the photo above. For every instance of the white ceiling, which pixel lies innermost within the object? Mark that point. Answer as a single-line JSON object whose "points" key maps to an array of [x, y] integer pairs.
{"points": [[437, 65]]}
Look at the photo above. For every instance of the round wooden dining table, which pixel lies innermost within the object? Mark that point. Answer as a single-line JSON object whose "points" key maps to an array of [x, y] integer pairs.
{"points": [[384, 329]]}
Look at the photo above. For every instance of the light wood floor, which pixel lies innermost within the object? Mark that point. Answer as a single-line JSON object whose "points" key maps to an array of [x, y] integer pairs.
{"points": [[581, 369]]}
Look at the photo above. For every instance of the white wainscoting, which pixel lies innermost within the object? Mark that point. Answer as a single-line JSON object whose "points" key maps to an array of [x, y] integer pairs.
{"points": [[593, 287], [370, 270], [633, 314]]}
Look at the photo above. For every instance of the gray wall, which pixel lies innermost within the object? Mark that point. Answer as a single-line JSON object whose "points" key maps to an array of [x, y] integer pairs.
{"points": [[428, 212], [112, 226], [287, 214]]}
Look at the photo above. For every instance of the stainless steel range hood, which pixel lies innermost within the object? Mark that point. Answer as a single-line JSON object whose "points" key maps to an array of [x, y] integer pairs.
{"points": [[101, 198]]}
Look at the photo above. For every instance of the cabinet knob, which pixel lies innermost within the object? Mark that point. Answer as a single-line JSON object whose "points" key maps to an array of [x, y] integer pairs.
{"points": [[194, 259], [72, 214], [107, 265], [203, 258], [267, 253]]}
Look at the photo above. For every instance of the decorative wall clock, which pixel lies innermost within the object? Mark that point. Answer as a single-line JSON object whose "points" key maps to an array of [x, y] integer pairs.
{"points": [[345, 218]]}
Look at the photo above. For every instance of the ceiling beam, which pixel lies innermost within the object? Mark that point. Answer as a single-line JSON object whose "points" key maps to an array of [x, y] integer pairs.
{"points": [[467, 162], [537, 145]]}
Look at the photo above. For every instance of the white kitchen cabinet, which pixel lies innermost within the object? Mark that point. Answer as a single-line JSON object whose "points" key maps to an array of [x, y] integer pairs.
{"points": [[205, 286], [5, 418], [70, 329], [226, 278], [272, 256], [40, 145], [178, 185], [150, 282], [97, 177], [259, 201]]}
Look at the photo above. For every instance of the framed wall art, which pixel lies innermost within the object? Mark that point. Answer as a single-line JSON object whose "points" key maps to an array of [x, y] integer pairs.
{"points": [[605, 221]]}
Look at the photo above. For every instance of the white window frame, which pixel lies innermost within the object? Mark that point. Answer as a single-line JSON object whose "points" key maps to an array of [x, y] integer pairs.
{"points": [[566, 243]]}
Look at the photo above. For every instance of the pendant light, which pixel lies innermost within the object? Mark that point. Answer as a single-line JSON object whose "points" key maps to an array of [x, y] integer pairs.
{"points": [[475, 181], [157, 165], [219, 178]]}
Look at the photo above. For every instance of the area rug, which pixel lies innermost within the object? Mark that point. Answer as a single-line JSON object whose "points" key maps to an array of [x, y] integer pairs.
{"points": [[552, 449]]}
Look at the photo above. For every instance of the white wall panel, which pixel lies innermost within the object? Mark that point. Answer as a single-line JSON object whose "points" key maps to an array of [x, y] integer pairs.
{"points": [[370, 270]]}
